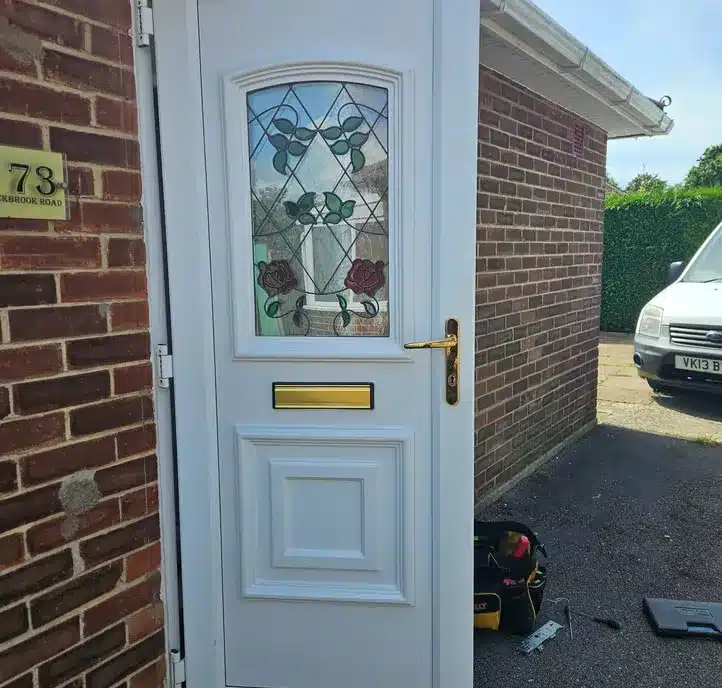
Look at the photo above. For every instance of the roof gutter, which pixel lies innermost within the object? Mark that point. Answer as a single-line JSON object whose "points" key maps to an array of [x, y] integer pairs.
{"points": [[521, 25]]}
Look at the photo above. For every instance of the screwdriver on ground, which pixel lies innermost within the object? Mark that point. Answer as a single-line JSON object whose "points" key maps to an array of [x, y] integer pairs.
{"points": [[612, 623]]}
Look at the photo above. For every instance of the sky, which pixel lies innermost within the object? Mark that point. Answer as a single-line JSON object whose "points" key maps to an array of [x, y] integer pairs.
{"points": [[663, 47]]}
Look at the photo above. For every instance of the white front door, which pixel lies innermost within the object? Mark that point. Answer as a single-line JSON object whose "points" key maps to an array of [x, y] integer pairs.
{"points": [[325, 518]]}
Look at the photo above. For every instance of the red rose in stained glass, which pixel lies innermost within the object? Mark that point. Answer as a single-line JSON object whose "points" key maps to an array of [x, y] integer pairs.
{"points": [[276, 277], [365, 276]]}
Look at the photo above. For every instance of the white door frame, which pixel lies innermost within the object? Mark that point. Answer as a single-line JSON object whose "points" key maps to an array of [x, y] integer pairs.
{"points": [[155, 262], [456, 55]]}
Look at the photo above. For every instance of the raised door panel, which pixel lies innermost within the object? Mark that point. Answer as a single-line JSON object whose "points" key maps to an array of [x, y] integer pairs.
{"points": [[326, 513]]}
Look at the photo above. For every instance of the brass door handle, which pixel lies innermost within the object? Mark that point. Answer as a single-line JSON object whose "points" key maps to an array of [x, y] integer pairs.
{"points": [[451, 345], [451, 341]]}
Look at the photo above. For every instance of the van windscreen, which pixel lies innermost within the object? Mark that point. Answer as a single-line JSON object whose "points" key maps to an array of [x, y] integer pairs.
{"points": [[708, 265]]}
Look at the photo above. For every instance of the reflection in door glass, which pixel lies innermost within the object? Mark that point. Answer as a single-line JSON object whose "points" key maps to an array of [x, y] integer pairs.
{"points": [[319, 194]]}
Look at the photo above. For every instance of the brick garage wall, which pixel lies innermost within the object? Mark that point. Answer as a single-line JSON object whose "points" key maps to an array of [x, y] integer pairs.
{"points": [[79, 550], [539, 250]]}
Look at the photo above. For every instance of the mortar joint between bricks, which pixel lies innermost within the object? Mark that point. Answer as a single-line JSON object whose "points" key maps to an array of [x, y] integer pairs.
{"points": [[51, 86], [4, 326], [88, 56], [88, 129], [64, 356], [87, 37], [104, 243], [94, 110], [98, 187], [77, 16]]}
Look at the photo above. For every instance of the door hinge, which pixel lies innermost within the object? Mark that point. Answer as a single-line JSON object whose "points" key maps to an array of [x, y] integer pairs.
{"points": [[177, 668], [165, 365], [144, 28]]}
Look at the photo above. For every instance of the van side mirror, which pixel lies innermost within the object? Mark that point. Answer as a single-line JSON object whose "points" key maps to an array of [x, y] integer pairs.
{"points": [[675, 270]]}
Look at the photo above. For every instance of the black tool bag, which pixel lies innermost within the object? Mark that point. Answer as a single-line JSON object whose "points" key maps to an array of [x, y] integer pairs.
{"points": [[508, 590]]}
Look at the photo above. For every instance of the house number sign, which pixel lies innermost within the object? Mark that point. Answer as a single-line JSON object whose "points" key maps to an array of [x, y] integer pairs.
{"points": [[32, 184]]}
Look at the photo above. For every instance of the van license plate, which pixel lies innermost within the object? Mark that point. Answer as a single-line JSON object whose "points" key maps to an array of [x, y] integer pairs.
{"points": [[699, 365]]}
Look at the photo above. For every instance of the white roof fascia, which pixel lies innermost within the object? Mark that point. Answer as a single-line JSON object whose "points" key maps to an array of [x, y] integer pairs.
{"points": [[521, 26]]}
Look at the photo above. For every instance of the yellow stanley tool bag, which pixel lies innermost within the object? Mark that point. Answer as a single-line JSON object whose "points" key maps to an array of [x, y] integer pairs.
{"points": [[509, 581]]}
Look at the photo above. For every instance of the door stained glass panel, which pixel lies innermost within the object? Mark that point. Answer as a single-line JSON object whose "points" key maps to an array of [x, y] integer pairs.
{"points": [[319, 195]]}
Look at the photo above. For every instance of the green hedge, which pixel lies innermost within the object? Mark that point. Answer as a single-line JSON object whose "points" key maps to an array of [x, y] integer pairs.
{"points": [[643, 234]]}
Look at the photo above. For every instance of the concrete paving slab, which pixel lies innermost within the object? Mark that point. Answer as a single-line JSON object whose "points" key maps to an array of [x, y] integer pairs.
{"points": [[618, 393], [626, 400], [621, 371]]}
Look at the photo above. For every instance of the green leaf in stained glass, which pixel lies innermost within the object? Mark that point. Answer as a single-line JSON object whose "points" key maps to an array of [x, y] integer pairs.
{"points": [[331, 134], [272, 308], [352, 123], [346, 317], [292, 209], [340, 148], [285, 126], [279, 161], [333, 202], [332, 219], [370, 308], [306, 219], [342, 302], [347, 209], [358, 160], [297, 318], [300, 302], [305, 202], [296, 149], [303, 134], [358, 139], [278, 141]]}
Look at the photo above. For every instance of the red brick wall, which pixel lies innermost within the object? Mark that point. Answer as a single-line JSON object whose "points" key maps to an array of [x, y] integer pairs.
{"points": [[539, 250], [79, 550]]}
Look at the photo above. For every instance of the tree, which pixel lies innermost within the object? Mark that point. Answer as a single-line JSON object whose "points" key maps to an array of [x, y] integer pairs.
{"points": [[611, 180], [708, 170], [647, 182]]}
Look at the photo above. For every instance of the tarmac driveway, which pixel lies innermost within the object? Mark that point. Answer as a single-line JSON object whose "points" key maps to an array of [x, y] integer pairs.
{"points": [[625, 513]]}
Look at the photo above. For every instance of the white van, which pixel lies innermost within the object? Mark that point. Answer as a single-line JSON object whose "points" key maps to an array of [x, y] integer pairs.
{"points": [[678, 342]]}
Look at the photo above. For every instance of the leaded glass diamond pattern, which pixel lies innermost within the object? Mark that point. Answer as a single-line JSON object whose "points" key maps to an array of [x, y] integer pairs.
{"points": [[319, 191]]}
